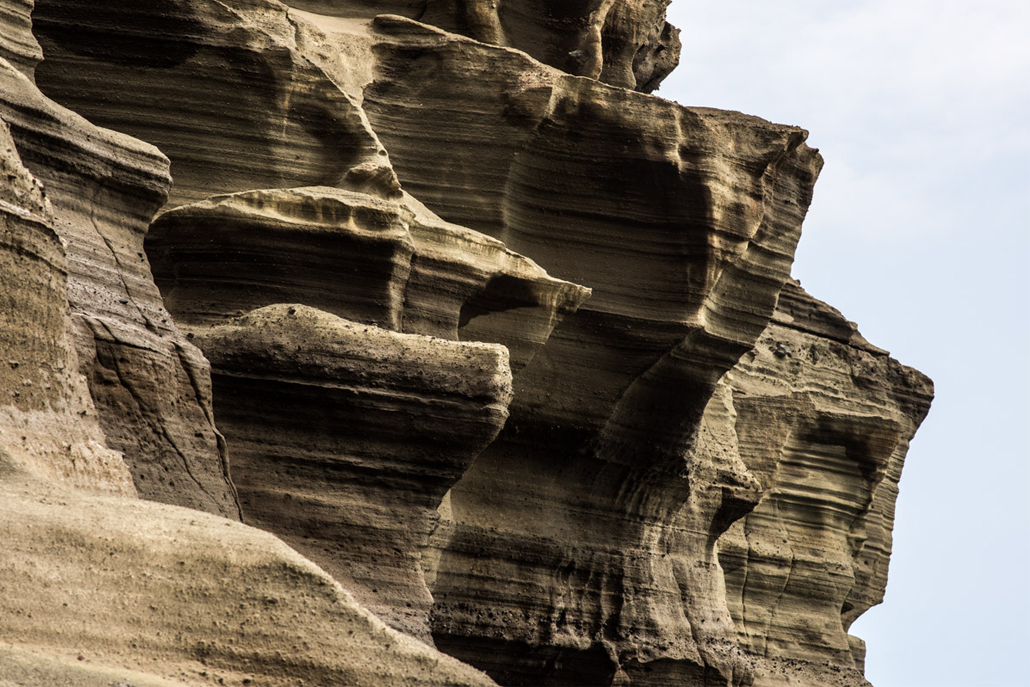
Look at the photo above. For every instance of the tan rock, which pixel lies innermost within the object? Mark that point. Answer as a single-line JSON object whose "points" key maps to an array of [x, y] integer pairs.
{"points": [[148, 383], [695, 485], [247, 106], [823, 421], [17, 44], [379, 258], [346, 436], [625, 43], [48, 425], [133, 592]]}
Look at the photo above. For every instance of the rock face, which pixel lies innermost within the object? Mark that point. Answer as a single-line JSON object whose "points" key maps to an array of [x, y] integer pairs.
{"points": [[148, 383], [625, 43], [438, 295]]}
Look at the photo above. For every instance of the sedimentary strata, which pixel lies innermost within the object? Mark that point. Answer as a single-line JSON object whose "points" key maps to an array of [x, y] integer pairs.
{"points": [[146, 380], [436, 293]]}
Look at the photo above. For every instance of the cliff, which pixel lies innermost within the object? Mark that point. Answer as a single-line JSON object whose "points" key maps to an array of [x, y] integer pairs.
{"points": [[398, 343]]}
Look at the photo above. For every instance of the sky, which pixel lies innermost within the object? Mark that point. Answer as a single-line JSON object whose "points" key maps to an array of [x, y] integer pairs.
{"points": [[919, 232]]}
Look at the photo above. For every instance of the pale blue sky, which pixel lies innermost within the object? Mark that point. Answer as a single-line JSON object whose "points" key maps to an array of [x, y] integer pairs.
{"points": [[920, 232]]}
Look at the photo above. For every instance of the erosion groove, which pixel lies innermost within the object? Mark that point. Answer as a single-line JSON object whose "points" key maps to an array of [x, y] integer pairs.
{"points": [[504, 351]]}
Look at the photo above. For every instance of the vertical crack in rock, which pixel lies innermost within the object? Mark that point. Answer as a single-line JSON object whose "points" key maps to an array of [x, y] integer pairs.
{"points": [[104, 189], [506, 345]]}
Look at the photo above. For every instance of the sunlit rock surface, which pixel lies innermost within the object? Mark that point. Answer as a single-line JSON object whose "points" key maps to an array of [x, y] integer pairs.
{"points": [[346, 433], [505, 345]]}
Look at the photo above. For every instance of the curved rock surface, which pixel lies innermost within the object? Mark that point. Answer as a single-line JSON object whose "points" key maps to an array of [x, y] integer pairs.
{"points": [[345, 438], [687, 478], [625, 43], [374, 256], [148, 383], [822, 419], [48, 425], [146, 594], [245, 105]]}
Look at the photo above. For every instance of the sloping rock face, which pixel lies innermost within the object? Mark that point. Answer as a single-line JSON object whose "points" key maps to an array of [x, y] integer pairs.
{"points": [[146, 380], [446, 302]]}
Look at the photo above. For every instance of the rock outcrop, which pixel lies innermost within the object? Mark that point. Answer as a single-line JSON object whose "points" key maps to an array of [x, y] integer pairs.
{"points": [[146, 380], [437, 294]]}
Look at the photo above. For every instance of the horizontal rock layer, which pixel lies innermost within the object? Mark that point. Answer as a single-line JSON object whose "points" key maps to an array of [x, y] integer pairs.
{"points": [[695, 481], [625, 43], [345, 438], [823, 421], [379, 258], [244, 106], [148, 383]]}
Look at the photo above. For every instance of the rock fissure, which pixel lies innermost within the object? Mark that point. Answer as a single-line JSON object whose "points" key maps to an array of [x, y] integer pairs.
{"points": [[437, 294]]}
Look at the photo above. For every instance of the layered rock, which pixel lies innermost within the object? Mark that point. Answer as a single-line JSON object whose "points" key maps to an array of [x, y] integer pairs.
{"points": [[371, 255], [245, 103], [48, 425], [822, 419], [149, 384], [345, 433], [684, 222], [625, 43], [695, 478]]}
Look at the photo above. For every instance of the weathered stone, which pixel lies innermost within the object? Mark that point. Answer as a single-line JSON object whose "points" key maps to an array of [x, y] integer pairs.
{"points": [[822, 420], [148, 383], [683, 221], [380, 259], [695, 485], [121, 591], [48, 425], [625, 43], [17, 44], [348, 456], [245, 104], [345, 437]]}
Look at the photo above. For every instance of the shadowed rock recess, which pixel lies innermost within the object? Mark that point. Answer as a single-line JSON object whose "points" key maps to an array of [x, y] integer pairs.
{"points": [[497, 358]]}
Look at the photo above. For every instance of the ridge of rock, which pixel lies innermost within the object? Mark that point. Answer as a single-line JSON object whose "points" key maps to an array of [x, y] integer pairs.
{"points": [[437, 294]]}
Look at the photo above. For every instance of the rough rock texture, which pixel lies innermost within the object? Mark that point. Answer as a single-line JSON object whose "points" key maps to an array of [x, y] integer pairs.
{"points": [[148, 383], [124, 587], [625, 43], [48, 425], [822, 420], [658, 462], [374, 256], [245, 107], [319, 412]]}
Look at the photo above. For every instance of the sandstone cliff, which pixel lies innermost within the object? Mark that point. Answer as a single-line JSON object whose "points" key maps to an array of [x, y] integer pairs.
{"points": [[503, 350]]}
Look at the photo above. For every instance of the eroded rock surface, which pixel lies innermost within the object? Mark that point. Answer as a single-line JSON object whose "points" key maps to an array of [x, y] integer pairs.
{"points": [[507, 346], [625, 43], [246, 104], [148, 383], [319, 411], [129, 589], [48, 424]]}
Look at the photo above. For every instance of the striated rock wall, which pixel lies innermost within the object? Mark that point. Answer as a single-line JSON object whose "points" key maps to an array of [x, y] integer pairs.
{"points": [[437, 294], [146, 380]]}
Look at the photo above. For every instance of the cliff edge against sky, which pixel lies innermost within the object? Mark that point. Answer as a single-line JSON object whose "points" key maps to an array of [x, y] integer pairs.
{"points": [[414, 342]]}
